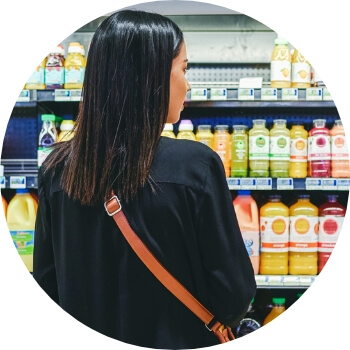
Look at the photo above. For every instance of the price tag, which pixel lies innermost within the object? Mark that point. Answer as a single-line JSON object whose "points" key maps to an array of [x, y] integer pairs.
{"points": [[343, 184], [269, 94], [246, 94], [329, 184], [75, 95], [264, 183], [2, 182], [285, 184], [291, 280], [234, 183], [62, 95], [289, 94], [218, 94], [313, 184], [17, 182], [276, 280], [24, 96], [314, 94], [306, 281], [199, 94], [248, 183], [261, 280], [326, 95]]}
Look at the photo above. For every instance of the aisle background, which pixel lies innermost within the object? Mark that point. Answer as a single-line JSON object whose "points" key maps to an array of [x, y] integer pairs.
{"points": [[29, 30]]}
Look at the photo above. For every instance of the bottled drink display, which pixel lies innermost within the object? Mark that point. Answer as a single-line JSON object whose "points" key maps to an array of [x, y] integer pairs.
{"points": [[239, 151], [301, 71], [74, 66], [168, 131], [186, 130], [298, 152], [281, 64], [222, 146], [54, 69], [204, 135], [67, 132], [277, 309], [37, 79], [47, 137]]}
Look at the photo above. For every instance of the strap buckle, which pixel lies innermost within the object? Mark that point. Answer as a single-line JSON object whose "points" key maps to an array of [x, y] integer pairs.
{"points": [[110, 205], [206, 326]]}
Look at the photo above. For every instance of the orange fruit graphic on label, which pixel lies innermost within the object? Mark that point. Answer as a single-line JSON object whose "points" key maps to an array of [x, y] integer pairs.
{"points": [[302, 74], [300, 145], [285, 72], [339, 142], [302, 226], [278, 226]]}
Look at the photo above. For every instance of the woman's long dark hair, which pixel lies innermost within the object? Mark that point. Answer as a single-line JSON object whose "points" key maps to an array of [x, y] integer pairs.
{"points": [[124, 107]]}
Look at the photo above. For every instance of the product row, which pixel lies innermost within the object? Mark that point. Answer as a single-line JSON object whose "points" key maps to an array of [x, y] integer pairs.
{"points": [[295, 240], [278, 152]]}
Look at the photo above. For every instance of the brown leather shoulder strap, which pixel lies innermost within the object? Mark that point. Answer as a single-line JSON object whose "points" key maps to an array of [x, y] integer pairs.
{"points": [[113, 208]]}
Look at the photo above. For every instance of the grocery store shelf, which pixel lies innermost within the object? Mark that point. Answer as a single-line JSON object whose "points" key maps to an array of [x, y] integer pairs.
{"points": [[284, 281]]}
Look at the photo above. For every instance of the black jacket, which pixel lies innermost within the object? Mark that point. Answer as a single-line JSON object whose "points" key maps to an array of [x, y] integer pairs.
{"points": [[83, 262]]}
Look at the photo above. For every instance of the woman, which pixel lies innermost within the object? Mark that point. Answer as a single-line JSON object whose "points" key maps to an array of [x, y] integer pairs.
{"points": [[174, 194]]}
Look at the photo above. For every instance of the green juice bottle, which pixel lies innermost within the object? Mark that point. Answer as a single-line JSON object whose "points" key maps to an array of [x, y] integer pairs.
{"points": [[239, 151]]}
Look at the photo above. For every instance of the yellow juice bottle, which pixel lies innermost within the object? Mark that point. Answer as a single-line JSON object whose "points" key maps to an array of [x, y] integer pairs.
{"points": [[281, 64], [186, 131], [37, 79], [204, 135], [274, 228], [222, 146], [74, 67], [303, 239], [301, 71], [21, 215], [67, 132], [298, 151], [168, 131]]}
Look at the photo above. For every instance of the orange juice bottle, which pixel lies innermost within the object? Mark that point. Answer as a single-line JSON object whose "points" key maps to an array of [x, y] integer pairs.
{"points": [[298, 151], [168, 131], [74, 67], [21, 215], [303, 239], [277, 309], [340, 166], [37, 79], [204, 135], [248, 220], [281, 64], [222, 146], [274, 228], [301, 71]]}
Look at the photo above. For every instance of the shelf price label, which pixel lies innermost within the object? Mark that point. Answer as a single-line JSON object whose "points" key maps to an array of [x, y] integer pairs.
{"points": [[291, 280], [326, 95], [269, 94], [285, 184], [62, 95], [218, 94], [313, 184], [306, 280], [248, 183], [24, 96], [234, 183], [343, 184], [314, 94], [17, 182], [2, 182], [246, 94], [329, 184], [261, 280], [276, 280], [290, 94], [264, 183], [75, 95], [199, 94]]}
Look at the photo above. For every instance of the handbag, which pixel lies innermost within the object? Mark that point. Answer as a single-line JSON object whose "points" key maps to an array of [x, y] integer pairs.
{"points": [[222, 332]]}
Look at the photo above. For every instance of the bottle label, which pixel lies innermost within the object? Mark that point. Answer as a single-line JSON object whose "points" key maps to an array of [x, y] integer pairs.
{"points": [[251, 241], [43, 152], [259, 147], [74, 75], [298, 150], [274, 234], [54, 75], [240, 149], [301, 72], [37, 77], [319, 147], [24, 241], [280, 70], [303, 233], [279, 147], [339, 148], [330, 227]]}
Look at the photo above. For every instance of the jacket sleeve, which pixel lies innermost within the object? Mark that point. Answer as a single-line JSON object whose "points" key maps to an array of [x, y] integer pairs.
{"points": [[44, 271], [228, 272]]}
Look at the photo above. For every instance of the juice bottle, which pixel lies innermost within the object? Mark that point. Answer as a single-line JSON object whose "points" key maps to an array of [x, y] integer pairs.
{"points": [[331, 218], [303, 239], [248, 220], [281, 64], [47, 137], [4, 205], [222, 146], [54, 70], [279, 149], [186, 131], [239, 151], [340, 166], [204, 135], [319, 150], [74, 66], [168, 131], [274, 228], [277, 309], [301, 71], [37, 79], [67, 132], [251, 322], [259, 141], [298, 152], [21, 215]]}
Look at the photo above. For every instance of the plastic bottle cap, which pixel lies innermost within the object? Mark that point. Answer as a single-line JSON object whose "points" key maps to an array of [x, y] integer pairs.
{"points": [[280, 121], [239, 127], [204, 127], [281, 41], [221, 127], [23, 190], [74, 47], [51, 117], [278, 300], [274, 196], [186, 125], [259, 121], [168, 127], [303, 196], [244, 192]]}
